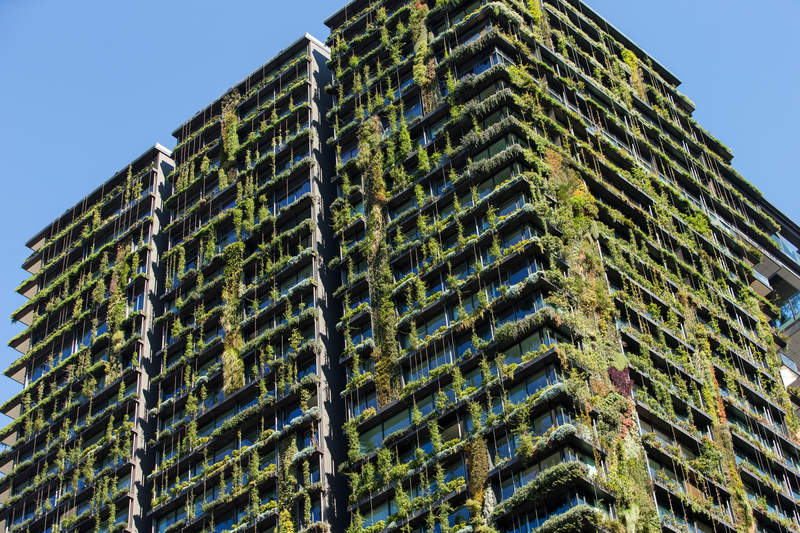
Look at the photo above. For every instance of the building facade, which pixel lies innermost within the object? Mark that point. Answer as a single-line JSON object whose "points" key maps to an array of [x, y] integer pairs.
{"points": [[778, 279], [243, 380], [470, 267], [75, 457], [552, 320]]}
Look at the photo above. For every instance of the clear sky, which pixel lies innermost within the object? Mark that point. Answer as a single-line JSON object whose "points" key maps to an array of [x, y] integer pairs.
{"points": [[88, 85]]}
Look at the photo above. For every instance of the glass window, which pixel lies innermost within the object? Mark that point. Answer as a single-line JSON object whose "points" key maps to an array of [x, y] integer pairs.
{"points": [[396, 423], [371, 439], [431, 324], [542, 423]]}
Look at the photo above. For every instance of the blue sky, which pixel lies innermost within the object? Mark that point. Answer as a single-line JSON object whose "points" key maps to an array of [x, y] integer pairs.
{"points": [[88, 85]]}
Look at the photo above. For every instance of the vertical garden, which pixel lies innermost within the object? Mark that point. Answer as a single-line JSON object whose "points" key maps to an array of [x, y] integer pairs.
{"points": [[71, 455], [540, 268], [546, 329], [237, 445]]}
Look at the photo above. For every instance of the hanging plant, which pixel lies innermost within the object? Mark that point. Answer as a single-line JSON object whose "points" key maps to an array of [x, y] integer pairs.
{"points": [[232, 364]]}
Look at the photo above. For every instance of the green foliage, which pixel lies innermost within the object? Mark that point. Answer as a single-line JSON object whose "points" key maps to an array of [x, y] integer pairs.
{"points": [[134, 264], [404, 139], [535, 9], [579, 242], [424, 163], [436, 437], [476, 414], [384, 464], [357, 523], [232, 364], [402, 501], [287, 477], [478, 464], [370, 162], [354, 445], [458, 381], [285, 524], [416, 415], [99, 292], [548, 482], [699, 221], [222, 177], [230, 124]]}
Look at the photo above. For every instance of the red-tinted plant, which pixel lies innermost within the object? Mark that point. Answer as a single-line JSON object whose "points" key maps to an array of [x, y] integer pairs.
{"points": [[621, 379]]}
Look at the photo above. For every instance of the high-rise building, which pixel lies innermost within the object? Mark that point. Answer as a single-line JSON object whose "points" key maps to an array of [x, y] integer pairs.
{"points": [[778, 279], [74, 457], [547, 269], [473, 268], [248, 368]]}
